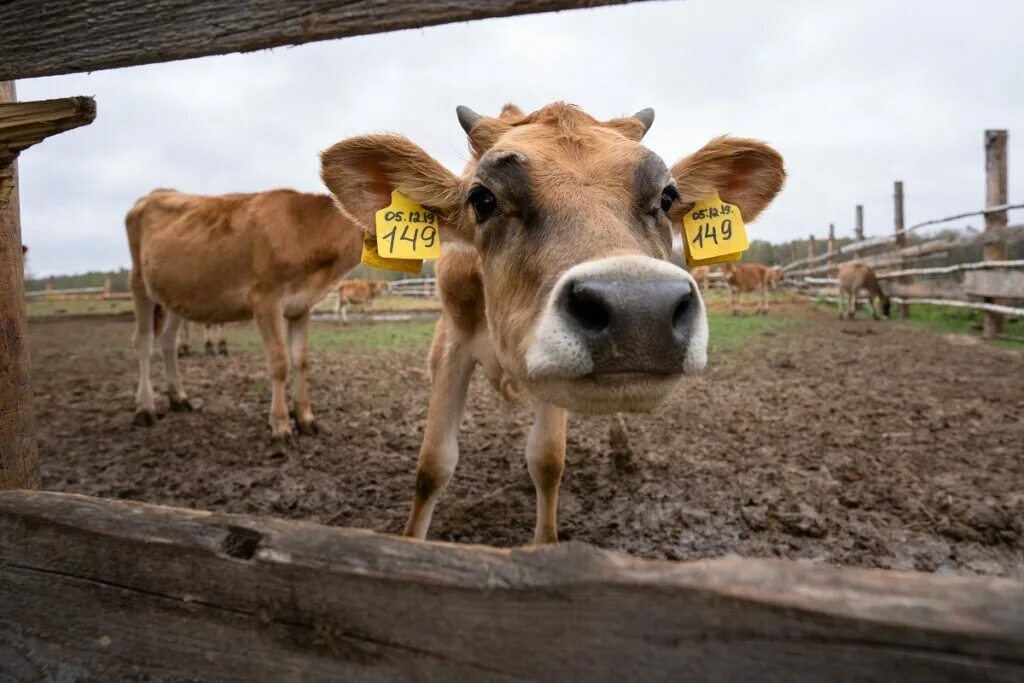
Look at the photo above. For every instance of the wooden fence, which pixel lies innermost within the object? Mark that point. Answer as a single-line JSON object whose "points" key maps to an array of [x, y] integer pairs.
{"points": [[94, 589], [994, 285]]}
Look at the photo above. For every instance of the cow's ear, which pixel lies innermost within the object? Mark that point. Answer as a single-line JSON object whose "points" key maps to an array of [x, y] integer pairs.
{"points": [[746, 173], [362, 172]]}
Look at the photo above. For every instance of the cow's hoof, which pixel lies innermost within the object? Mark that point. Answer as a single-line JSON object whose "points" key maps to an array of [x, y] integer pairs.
{"points": [[308, 428], [222, 348], [144, 418], [184, 350], [180, 405], [208, 350]]}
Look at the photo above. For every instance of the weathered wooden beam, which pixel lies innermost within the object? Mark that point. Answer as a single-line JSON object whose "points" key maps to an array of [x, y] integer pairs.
{"points": [[925, 289], [95, 589], [65, 36], [23, 124]]}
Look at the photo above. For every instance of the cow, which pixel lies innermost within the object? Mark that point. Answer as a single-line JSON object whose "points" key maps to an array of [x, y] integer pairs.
{"points": [[775, 277], [855, 277], [554, 274], [702, 276], [355, 292], [747, 277], [213, 339], [268, 256]]}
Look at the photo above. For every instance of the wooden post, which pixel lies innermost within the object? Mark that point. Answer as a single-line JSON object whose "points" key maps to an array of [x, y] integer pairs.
{"points": [[21, 126], [901, 240], [995, 195], [811, 248], [19, 465], [107, 286], [859, 229], [792, 252], [831, 244]]}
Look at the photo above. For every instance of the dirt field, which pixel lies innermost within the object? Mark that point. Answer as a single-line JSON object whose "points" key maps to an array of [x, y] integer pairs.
{"points": [[867, 444]]}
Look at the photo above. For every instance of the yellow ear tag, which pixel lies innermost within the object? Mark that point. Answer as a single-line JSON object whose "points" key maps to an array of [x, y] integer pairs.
{"points": [[373, 259], [713, 232], [405, 230]]}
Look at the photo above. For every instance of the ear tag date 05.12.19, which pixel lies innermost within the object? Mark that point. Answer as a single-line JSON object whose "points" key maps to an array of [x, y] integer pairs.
{"points": [[713, 232], [405, 235]]}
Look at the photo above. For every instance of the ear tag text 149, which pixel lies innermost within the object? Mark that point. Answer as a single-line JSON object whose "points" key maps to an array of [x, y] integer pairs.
{"points": [[713, 232], [405, 230]]}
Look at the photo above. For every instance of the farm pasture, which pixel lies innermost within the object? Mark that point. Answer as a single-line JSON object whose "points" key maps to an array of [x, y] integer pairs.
{"points": [[865, 444]]}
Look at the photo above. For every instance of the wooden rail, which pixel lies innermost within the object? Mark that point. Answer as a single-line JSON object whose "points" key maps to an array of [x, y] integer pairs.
{"points": [[96, 589], [67, 36]]}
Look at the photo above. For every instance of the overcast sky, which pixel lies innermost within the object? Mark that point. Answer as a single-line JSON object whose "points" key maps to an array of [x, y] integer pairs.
{"points": [[853, 94]]}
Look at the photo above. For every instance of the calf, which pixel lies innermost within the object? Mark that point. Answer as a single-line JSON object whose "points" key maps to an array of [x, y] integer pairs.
{"points": [[702, 276], [555, 272], [775, 277], [855, 277], [269, 256], [356, 292], [747, 277]]}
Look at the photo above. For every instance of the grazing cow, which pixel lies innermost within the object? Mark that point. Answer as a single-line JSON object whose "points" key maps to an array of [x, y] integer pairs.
{"points": [[855, 277], [355, 292], [747, 277], [268, 256], [775, 277], [555, 272], [213, 339], [702, 276]]}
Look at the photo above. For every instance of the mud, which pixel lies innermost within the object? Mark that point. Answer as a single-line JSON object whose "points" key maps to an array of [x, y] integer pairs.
{"points": [[864, 444]]}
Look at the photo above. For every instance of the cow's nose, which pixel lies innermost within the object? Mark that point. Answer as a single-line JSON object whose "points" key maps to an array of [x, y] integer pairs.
{"points": [[633, 326]]}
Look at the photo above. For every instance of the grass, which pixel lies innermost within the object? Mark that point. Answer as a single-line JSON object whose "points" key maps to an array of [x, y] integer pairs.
{"points": [[727, 331], [360, 337], [78, 307]]}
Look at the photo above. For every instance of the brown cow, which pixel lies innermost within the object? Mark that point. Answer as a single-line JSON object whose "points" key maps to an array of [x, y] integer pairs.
{"points": [[355, 292], [855, 277], [269, 256], [555, 273], [702, 276], [747, 277], [775, 277]]}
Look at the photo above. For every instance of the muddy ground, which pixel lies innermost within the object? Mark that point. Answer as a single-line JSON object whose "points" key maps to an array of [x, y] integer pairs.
{"points": [[863, 444]]}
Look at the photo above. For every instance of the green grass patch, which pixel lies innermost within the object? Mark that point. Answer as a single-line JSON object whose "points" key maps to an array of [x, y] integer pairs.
{"points": [[727, 331], [79, 307], [359, 337]]}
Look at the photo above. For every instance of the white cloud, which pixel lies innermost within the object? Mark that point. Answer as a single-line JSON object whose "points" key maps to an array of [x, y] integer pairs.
{"points": [[854, 95]]}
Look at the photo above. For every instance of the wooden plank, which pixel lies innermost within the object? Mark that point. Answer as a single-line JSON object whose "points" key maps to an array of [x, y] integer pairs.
{"points": [[1008, 284], [23, 124], [901, 240], [66, 36], [105, 590], [925, 289]]}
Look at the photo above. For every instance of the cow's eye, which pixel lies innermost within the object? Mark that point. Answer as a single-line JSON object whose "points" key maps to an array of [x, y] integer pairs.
{"points": [[483, 201], [668, 197]]}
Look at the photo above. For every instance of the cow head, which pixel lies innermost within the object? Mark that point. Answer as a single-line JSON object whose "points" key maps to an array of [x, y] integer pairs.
{"points": [[572, 218]]}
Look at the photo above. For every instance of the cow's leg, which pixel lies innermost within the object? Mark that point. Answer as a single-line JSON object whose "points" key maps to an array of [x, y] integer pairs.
{"points": [[145, 321], [545, 457], [735, 293], [222, 342], [185, 339], [874, 308], [764, 298], [269, 317], [451, 368], [208, 348], [168, 345], [344, 312], [298, 347]]}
